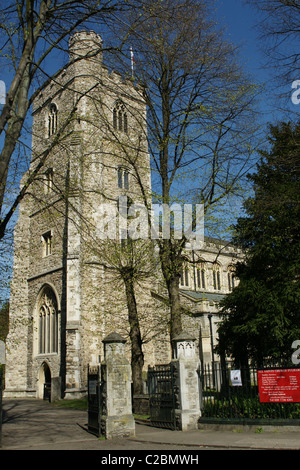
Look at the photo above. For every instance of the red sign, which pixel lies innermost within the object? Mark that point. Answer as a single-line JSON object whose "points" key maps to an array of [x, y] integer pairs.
{"points": [[279, 385]]}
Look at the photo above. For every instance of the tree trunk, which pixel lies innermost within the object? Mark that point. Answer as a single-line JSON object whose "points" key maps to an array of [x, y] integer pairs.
{"points": [[171, 264], [175, 308], [137, 356]]}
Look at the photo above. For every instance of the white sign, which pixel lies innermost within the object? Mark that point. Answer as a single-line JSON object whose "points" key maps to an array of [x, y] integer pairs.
{"points": [[235, 376], [93, 387], [2, 352]]}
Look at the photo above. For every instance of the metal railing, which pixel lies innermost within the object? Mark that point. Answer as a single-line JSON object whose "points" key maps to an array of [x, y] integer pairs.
{"points": [[221, 401]]}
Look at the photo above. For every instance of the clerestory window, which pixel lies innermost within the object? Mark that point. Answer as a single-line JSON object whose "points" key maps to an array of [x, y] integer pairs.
{"points": [[216, 277], [184, 277], [231, 279], [201, 283]]}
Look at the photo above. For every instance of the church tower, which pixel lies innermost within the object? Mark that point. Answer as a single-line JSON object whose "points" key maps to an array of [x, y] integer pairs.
{"points": [[89, 132]]}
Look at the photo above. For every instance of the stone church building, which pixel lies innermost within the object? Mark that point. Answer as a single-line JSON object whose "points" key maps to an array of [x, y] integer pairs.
{"points": [[66, 292]]}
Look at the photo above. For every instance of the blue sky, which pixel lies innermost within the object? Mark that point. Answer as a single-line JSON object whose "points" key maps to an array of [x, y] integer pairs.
{"points": [[241, 20]]}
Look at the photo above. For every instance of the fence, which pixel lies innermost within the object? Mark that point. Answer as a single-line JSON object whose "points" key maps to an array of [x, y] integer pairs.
{"points": [[223, 401]]}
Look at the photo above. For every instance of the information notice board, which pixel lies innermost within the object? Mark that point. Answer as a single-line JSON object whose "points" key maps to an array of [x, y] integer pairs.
{"points": [[279, 385]]}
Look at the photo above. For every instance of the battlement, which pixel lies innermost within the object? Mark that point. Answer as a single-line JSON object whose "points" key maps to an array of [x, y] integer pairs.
{"points": [[82, 43], [85, 35]]}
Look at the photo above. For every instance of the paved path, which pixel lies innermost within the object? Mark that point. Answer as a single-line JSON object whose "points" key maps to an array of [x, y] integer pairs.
{"points": [[38, 425]]}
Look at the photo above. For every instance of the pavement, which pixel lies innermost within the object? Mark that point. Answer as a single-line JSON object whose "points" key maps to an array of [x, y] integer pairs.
{"points": [[38, 425]]}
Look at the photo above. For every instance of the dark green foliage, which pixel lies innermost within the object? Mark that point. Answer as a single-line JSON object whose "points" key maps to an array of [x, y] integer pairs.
{"points": [[262, 315]]}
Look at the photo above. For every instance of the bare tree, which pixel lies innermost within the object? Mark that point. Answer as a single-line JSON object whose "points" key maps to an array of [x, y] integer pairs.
{"points": [[132, 263], [200, 114], [279, 26], [31, 32]]}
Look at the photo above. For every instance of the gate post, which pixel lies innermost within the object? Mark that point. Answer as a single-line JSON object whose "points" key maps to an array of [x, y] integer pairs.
{"points": [[187, 363], [117, 420]]}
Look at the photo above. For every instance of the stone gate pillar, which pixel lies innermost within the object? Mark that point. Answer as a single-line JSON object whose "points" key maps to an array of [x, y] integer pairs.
{"points": [[187, 364], [117, 420]]}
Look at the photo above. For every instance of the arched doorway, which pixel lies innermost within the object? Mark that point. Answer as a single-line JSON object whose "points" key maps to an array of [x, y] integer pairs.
{"points": [[45, 382]]}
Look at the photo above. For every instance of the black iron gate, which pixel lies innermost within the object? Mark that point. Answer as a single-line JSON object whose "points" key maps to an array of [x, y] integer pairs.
{"points": [[162, 395], [94, 400]]}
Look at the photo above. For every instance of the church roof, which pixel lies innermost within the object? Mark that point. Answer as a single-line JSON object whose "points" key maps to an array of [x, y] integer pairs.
{"points": [[197, 296]]}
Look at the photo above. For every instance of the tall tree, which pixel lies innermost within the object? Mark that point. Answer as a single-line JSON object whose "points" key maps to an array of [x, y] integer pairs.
{"points": [[31, 32], [261, 315], [132, 263], [200, 114]]}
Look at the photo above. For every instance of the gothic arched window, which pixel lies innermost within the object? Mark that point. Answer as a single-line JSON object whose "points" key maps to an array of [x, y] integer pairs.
{"points": [[217, 276], [120, 120], [52, 120], [48, 323], [184, 277], [201, 282], [125, 123], [115, 118], [231, 278]]}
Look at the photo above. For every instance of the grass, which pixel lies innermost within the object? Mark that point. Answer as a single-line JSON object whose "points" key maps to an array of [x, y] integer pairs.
{"points": [[79, 404], [259, 430], [141, 417]]}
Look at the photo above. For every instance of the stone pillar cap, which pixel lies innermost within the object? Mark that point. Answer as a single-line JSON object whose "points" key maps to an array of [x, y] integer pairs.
{"points": [[184, 336], [114, 338]]}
